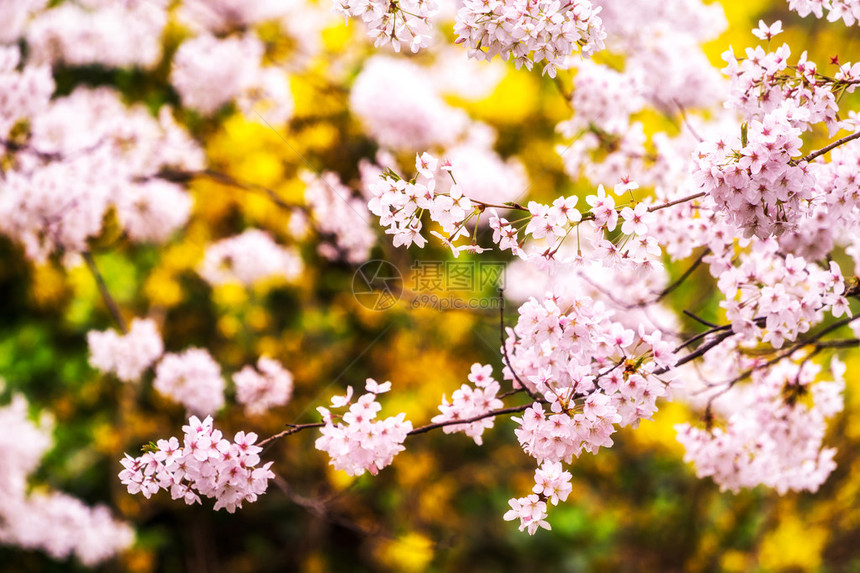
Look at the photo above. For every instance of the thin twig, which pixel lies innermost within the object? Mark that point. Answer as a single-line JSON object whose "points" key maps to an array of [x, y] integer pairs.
{"points": [[419, 430], [109, 301], [686, 121], [490, 414], [294, 429], [791, 350], [677, 201], [700, 319], [696, 353], [834, 145], [683, 277], [505, 346]]}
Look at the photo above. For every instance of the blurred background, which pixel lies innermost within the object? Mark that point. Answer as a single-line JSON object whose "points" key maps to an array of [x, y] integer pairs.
{"points": [[634, 507]]}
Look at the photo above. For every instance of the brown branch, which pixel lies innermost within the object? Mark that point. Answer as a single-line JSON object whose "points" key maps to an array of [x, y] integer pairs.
{"points": [[320, 509], [696, 353], [294, 429], [490, 414], [715, 329], [791, 349], [677, 201], [846, 343], [686, 121], [834, 145], [700, 319], [419, 430], [109, 301], [507, 360], [226, 179], [683, 277]]}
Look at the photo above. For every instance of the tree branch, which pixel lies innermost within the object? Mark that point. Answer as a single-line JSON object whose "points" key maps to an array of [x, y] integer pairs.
{"points": [[507, 360], [490, 414], [677, 201], [683, 277], [109, 301], [294, 429], [834, 145]]}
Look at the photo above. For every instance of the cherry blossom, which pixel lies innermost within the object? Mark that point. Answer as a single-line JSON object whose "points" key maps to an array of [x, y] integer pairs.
{"points": [[247, 258], [209, 72], [127, 356], [44, 519], [468, 402], [267, 386], [360, 442], [191, 378], [530, 32], [530, 511], [847, 10], [203, 464], [406, 22], [765, 32]]}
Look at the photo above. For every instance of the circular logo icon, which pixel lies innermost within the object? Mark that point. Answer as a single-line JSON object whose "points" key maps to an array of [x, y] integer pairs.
{"points": [[377, 285]]}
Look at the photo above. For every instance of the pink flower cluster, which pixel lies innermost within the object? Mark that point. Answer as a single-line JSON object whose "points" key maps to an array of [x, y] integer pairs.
{"points": [[847, 10], [360, 442], [209, 72], [393, 23], [530, 31], [222, 16], [247, 258], [15, 16], [105, 32], [835, 215], [24, 92], [339, 216], [126, 356], [761, 84], [789, 293], [193, 379], [469, 402], [51, 521], [754, 176], [561, 436], [401, 107], [484, 176], [399, 204], [262, 388], [662, 44], [552, 483], [594, 85], [531, 511], [84, 153], [204, 464], [774, 434], [567, 348]]}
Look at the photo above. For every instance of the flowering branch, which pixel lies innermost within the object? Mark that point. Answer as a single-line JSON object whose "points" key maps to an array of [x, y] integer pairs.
{"points": [[294, 429], [227, 179], [505, 347], [490, 414], [790, 350]]}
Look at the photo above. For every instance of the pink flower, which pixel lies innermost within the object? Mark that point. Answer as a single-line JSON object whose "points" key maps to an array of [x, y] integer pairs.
{"points": [[765, 32], [634, 220]]}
